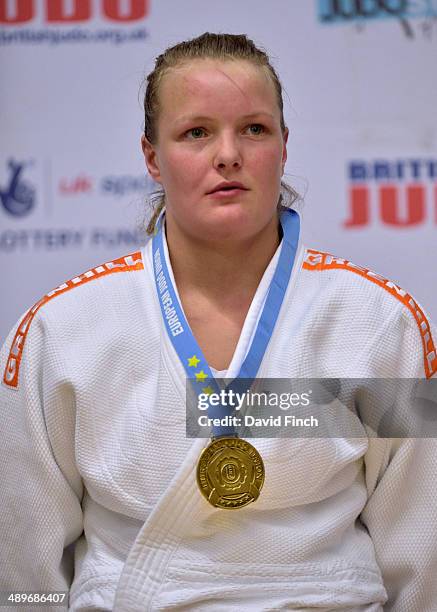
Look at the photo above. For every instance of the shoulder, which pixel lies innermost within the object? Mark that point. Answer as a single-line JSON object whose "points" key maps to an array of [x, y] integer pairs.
{"points": [[93, 277], [77, 303], [87, 286], [336, 271], [377, 298]]}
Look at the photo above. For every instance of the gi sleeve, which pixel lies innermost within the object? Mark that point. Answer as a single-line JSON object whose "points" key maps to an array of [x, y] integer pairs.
{"points": [[41, 489], [401, 512]]}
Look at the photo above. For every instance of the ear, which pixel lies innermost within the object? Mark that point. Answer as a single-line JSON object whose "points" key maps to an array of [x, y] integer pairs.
{"points": [[284, 149], [150, 157]]}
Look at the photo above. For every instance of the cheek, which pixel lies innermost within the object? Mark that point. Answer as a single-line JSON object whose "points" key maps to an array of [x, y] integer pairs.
{"points": [[267, 162], [183, 169]]}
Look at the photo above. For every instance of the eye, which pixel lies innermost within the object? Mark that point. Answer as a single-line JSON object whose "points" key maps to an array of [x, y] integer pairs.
{"points": [[195, 133], [256, 129]]}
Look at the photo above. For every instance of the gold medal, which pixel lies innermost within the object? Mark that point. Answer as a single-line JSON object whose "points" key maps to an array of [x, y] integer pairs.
{"points": [[230, 473]]}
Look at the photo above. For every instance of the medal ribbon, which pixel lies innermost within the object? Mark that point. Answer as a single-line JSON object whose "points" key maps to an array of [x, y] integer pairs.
{"points": [[182, 338]]}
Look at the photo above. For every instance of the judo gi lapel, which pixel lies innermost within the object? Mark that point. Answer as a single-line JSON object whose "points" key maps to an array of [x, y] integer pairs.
{"points": [[180, 507], [159, 538]]}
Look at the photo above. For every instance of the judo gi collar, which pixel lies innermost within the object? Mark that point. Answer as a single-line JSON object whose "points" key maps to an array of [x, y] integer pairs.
{"points": [[196, 367]]}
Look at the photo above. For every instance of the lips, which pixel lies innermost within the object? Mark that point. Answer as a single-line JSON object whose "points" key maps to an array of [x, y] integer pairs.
{"points": [[227, 186]]}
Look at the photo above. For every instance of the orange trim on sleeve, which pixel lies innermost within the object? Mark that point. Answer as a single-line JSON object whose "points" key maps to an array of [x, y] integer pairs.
{"points": [[128, 263], [319, 261]]}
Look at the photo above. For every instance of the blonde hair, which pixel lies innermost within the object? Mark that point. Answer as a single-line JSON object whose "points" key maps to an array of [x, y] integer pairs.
{"points": [[207, 46]]}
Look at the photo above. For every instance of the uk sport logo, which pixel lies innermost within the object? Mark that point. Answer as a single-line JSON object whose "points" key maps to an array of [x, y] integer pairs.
{"points": [[16, 12], [397, 193], [17, 196]]}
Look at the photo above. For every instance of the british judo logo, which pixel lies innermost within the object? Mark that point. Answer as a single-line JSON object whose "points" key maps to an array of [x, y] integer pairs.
{"points": [[397, 193], [72, 21], [60, 11]]}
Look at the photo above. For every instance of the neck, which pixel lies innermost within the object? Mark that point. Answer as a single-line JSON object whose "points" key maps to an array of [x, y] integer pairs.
{"points": [[216, 269]]}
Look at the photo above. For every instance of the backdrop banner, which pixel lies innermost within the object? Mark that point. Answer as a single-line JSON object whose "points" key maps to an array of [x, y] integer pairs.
{"points": [[360, 99]]}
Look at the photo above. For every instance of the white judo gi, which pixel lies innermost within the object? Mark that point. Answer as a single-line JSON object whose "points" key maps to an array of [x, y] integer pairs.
{"points": [[98, 488]]}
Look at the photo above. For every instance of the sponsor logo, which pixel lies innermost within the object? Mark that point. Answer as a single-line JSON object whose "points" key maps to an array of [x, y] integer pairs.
{"points": [[17, 197], [123, 264], [54, 239], [349, 10], [317, 260], [125, 184], [76, 185], [397, 193], [358, 12], [115, 185]]}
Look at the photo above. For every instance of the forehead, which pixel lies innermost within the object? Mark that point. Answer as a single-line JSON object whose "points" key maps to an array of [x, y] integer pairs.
{"points": [[217, 85]]}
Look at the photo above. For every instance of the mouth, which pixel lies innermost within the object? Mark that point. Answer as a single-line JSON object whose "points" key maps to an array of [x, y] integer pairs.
{"points": [[227, 193], [227, 189]]}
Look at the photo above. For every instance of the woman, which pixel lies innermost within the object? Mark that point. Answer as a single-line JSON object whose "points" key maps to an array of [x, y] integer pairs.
{"points": [[97, 468]]}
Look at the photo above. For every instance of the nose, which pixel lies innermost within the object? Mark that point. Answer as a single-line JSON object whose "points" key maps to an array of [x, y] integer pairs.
{"points": [[227, 153]]}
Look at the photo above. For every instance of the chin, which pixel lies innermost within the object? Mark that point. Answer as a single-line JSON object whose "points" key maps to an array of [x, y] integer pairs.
{"points": [[238, 227], [233, 212]]}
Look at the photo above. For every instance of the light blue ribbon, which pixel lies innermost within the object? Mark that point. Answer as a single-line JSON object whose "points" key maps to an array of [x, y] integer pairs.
{"points": [[181, 336]]}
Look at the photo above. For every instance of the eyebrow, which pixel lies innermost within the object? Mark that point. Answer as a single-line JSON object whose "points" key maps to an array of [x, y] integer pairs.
{"points": [[195, 118]]}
